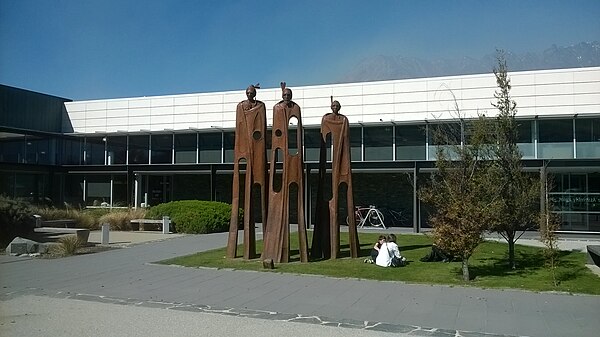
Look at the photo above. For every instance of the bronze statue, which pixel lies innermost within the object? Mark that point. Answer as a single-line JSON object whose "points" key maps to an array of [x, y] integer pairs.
{"points": [[276, 236], [250, 146], [326, 237]]}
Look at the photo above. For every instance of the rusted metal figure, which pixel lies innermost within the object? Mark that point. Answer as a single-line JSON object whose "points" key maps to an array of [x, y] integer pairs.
{"points": [[276, 237], [250, 146], [326, 238]]}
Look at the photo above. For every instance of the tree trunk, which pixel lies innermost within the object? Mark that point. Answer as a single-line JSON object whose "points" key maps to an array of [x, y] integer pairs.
{"points": [[510, 238], [465, 270]]}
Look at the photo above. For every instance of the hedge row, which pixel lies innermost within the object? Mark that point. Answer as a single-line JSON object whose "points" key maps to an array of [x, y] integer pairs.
{"points": [[194, 216]]}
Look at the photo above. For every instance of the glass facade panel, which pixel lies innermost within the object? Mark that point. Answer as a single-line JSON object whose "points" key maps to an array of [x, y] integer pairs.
{"points": [[525, 138], [72, 151], [119, 197], [378, 143], [312, 145], [94, 150], [587, 133], [555, 138], [139, 149], [444, 136], [356, 143], [97, 190], [229, 146], [185, 148], [209, 147], [116, 147], [161, 149], [38, 151], [410, 142], [12, 149], [576, 198]]}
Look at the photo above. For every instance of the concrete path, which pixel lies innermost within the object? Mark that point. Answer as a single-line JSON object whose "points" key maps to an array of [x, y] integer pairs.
{"points": [[127, 277]]}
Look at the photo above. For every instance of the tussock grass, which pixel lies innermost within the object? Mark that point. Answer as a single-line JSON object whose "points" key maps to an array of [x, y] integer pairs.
{"points": [[489, 266], [120, 220], [67, 246]]}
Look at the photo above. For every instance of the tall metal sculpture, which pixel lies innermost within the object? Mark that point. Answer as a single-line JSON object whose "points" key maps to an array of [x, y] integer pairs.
{"points": [[276, 237], [326, 237], [250, 146]]}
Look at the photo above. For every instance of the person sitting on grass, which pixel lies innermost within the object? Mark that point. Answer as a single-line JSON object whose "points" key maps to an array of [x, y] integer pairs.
{"points": [[389, 254], [375, 250]]}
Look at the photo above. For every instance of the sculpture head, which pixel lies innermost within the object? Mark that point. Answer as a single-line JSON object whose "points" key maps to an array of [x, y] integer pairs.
{"points": [[251, 93], [287, 95], [335, 107]]}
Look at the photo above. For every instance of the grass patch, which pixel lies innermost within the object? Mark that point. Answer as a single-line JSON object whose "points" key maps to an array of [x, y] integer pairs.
{"points": [[488, 266]]}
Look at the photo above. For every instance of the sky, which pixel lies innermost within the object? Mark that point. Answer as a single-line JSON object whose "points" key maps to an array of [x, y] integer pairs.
{"points": [[98, 49]]}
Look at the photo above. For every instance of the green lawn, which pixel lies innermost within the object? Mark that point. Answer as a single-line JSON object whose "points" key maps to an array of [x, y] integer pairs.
{"points": [[488, 266]]}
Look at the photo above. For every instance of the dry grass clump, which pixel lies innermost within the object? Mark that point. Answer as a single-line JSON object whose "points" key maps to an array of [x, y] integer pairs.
{"points": [[120, 220], [82, 219], [67, 246]]}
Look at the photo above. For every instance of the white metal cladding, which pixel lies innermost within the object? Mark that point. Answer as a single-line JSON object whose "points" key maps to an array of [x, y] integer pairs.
{"points": [[537, 93]]}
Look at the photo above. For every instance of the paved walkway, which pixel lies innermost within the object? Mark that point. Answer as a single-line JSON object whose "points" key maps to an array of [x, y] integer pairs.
{"points": [[128, 276]]}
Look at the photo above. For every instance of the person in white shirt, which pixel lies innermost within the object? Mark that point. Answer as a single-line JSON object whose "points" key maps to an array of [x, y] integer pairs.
{"points": [[389, 254]]}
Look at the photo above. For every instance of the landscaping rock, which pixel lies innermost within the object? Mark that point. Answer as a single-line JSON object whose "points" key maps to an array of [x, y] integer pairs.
{"points": [[20, 246]]}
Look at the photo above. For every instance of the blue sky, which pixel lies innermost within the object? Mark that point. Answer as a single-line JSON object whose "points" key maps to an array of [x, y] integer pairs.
{"points": [[92, 49]]}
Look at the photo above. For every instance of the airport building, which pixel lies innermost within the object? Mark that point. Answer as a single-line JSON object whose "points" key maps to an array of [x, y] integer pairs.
{"points": [[142, 151]]}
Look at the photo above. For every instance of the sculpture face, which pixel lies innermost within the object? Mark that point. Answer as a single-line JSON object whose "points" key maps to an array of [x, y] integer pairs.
{"points": [[287, 95], [251, 93], [335, 107]]}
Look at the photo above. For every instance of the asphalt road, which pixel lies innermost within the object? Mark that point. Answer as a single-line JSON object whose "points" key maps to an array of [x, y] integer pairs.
{"points": [[46, 316]]}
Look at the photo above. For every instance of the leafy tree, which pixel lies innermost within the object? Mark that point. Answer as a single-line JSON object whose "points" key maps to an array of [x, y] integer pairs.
{"points": [[461, 192], [519, 190]]}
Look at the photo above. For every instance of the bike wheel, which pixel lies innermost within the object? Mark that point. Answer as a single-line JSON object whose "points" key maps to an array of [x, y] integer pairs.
{"points": [[375, 218]]}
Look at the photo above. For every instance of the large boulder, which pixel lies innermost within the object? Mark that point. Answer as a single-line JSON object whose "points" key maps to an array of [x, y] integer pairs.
{"points": [[20, 246]]}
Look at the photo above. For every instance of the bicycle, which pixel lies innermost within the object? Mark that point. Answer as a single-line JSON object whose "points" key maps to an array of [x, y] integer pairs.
{"points": [[396, 218], [370, 214]]}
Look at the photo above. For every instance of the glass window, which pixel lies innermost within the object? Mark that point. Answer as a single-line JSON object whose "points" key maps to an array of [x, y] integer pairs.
{"points": [[116, 150], [356, 143], [209, 147], [72, 151], [229, 146], [410, 142], [38, 150], [525, 138], [12, 149], [378, 143], [98, 190], [161, 149], [555, 138], [185, 148], [587, 133], [94, 150], [138, 149], [119, 198], [447, 136], [312, 145]]}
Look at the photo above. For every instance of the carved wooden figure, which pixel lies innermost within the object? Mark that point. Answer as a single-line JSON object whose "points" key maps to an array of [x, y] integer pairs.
{"points": [[276, 237], [326, 238], [250, 146]]}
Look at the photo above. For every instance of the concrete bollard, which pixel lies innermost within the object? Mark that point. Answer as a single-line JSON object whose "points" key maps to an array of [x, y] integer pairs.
{"points": [[166, 224], [38, 220], [105, 230]]}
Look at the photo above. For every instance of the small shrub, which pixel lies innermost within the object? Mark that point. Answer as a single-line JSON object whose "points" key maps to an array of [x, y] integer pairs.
{"points": [[194, 216], [68, 245], [120, 219], [16, 219]]}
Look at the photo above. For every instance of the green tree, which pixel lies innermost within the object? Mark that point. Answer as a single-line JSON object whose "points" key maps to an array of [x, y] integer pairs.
{"points": [[519, 190], [461, 192]]}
